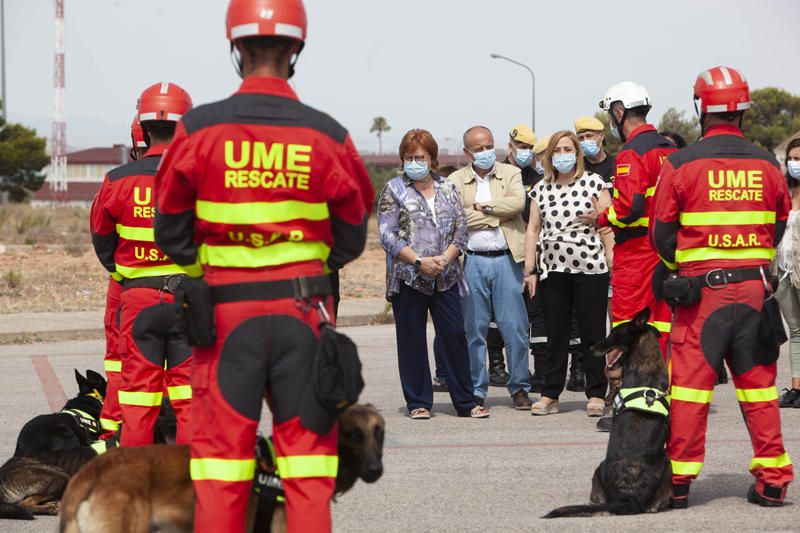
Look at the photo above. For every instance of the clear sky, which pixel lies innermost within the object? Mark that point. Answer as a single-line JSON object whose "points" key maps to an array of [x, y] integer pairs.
{"points": [[419, 63]]}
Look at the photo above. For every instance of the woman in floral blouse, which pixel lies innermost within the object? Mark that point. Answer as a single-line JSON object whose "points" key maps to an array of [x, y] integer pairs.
{"points": [[424, 230]]}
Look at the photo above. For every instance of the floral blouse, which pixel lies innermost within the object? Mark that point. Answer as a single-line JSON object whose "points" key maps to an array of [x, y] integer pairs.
{"points": [[405, 219]]}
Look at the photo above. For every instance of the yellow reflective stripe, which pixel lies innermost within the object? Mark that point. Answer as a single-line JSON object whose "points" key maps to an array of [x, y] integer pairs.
{"points": [[100, 447], [180, 392], [298, 466], [664, 327], [132, 233], [144, 272], [260, 212], [707, 254], [686, 394], [686, 468], [643, 222], [671, 266], [195, 270], [116, 276], [109, 425], [272, 255], [757, 395], [781, 461], [222, 469], [143, 399], [112, 366], [727, 218], [651, 191]]}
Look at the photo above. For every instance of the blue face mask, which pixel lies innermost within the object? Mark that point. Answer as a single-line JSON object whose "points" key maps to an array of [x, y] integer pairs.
{"points": [[539, 168], [523, 157], [485, 160], [794, 169], [415, 171], [590, 148], [564, 163]]}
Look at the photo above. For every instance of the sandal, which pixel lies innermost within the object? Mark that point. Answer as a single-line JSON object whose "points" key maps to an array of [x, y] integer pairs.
{"points": [[596, 407], [542, 408], [420, 414], [479, 411]]}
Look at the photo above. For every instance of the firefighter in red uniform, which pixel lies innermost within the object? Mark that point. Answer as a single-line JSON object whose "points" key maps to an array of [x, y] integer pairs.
{"points": [[720, 209], [637, 168], [111, 415], [154, 352], [262, 195]]}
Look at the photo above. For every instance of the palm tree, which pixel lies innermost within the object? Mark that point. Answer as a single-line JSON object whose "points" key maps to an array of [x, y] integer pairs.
{"points": [[379, 127]]}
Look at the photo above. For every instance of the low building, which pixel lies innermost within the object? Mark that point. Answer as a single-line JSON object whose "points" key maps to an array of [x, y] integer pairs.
{"points": [[85, 172]]}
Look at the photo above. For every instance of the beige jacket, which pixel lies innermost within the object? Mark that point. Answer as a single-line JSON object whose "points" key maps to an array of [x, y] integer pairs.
{"points": [[505, 209]]}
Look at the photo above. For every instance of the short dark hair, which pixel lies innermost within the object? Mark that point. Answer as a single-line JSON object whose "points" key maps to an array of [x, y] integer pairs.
{"points": [[676, 138], [794, 143], [261, 48], [161, 129]]}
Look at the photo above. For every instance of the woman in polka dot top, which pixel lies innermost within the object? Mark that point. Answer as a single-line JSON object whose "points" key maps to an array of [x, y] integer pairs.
{"points": [[567, 262]]}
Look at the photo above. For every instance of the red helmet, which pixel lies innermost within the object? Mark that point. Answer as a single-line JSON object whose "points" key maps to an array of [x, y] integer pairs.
{"points": [[266, 18], [163, 101], [137, 134], [721, 90]]}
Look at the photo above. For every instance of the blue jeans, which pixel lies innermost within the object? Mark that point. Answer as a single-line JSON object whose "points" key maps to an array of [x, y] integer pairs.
{"points": [[495, 283]]}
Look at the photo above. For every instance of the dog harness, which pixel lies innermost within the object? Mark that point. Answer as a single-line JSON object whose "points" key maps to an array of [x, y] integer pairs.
{"points": [[643, 399], [267, 483], [85, 420]]}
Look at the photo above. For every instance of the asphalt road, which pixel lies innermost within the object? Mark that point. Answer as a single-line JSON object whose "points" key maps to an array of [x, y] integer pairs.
{"points": [[455, 474]]}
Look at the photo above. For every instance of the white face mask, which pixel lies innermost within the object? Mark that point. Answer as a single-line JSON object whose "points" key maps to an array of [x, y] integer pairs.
{"points": [[794, 169]]}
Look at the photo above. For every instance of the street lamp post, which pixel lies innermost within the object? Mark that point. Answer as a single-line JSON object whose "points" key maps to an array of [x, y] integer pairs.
{"points": [[533, 85]]}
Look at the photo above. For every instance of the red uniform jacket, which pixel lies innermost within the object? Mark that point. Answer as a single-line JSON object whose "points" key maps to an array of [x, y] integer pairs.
{"points": [[122, 221], [721, 203], [260, 180], [638, 165]]}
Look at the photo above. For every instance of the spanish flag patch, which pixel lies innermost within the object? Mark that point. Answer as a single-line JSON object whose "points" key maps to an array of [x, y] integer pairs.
{"points": [[623, 170]]}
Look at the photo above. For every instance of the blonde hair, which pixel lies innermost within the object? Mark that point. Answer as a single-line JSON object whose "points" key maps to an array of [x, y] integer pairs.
{"points": [[549, 171]]}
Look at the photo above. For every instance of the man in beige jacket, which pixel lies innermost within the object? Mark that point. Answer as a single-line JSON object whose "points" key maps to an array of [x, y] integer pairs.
{"points": [[493, 198]]}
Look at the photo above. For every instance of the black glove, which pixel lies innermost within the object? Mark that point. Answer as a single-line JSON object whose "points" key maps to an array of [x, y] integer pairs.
{"points": [[660, 275]]}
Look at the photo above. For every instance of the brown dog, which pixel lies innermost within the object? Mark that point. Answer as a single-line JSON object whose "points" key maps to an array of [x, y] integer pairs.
{"points": [[148, 488]]}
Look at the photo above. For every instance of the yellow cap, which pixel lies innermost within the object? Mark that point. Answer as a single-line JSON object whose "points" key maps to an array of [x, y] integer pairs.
{"points": [[588, 123], [523, 134], [541, 146]]}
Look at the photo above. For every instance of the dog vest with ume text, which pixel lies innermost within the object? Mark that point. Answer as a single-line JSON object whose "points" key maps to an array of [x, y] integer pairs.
{"points": [[644, 399]]}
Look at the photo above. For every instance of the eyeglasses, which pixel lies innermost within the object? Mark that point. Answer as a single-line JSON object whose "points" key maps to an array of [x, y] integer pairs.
{"points": [[415, 158]]}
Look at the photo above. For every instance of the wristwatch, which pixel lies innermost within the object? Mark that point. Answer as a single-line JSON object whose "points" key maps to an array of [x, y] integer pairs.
{"points": [[417, 263]]}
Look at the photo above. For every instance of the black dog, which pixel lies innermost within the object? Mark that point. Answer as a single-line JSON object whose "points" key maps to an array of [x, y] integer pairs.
{"points": [[77, 424], [34, 485], [636, 476]]}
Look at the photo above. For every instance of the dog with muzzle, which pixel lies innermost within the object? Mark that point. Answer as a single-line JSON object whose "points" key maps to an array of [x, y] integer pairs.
{"points": [[636, 476]]}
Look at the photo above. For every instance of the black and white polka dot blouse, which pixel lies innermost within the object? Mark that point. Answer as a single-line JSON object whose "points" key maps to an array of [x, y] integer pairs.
{"points": [[566, 244]]}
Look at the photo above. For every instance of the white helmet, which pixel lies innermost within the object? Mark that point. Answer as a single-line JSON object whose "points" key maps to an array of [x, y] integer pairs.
{"points": [[629, 93]]}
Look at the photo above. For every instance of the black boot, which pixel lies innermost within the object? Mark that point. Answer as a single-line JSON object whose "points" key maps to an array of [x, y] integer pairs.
{"points": [[577, 377], [539, 359], [498, 377]]}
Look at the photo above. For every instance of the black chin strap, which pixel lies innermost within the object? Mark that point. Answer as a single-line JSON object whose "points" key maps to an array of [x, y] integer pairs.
{"points": [[619, 124]]}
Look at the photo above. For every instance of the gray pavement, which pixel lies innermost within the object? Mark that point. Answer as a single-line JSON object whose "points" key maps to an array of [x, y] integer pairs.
{"points": [[21, 328], [455, 474]]}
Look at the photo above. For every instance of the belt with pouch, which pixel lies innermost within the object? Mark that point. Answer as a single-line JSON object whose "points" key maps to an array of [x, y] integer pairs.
{"points": [[301, 288], [163, 283], [720, 278]]}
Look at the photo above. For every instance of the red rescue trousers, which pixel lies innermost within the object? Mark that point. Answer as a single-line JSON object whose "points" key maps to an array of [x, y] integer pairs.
{"points": [[111, 415], [632, 281], [264, 349], [155, 358], [723, 326]]}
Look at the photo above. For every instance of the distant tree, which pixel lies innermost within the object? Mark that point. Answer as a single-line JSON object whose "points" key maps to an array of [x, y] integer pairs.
{"points": [[380, 176], [775, 116], [676, 122], [611, 143], [22, 158], [380, 126]]}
